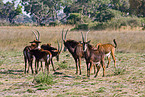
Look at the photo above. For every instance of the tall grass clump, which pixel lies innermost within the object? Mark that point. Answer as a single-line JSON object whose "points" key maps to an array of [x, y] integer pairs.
{"points": [[44, 79], [63, 65], [119, 71]]}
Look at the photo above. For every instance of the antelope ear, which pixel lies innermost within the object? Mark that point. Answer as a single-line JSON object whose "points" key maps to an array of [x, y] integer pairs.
{"points": [[55, 50], [81, 42], [49, 44]]}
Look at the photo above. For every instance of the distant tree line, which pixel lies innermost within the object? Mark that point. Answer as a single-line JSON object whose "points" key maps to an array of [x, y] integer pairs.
{"points": [[8, 10], [72, 12]]}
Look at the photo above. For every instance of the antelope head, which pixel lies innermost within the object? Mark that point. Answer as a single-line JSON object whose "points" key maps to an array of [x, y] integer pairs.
{"points": [[85, 42], [37, 41]]}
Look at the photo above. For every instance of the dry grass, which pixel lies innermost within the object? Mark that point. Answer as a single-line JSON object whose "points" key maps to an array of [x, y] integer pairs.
{"points": [[16, 38], [126, 80]]}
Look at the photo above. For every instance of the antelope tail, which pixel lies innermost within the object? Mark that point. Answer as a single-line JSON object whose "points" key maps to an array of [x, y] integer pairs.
{"points": [[115, 43]]}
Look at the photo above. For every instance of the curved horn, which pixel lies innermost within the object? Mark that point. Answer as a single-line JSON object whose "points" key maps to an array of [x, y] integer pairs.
{"points": [[62, 34], [38, 34], [58, 45], [66, 34], [82, 37], [59, 49], [35, 35], [86, 35]]}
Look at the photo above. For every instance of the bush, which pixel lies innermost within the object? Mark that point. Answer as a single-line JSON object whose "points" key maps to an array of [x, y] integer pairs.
{"points": [[44, 79], [119, 71], [74, 18], [117, 23], [124, 21], [107, 14], [99, 26], [55, 23], [84, 26]]}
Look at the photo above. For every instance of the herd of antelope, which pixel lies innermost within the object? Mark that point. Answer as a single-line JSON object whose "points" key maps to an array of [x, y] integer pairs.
{"points": [[93, 55]]}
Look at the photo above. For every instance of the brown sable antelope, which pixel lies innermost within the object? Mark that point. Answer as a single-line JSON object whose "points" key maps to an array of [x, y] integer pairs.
{"points": [[28, 58], [76, 49], [54, 51], [41, 55], [93, 57], [109, 49]]}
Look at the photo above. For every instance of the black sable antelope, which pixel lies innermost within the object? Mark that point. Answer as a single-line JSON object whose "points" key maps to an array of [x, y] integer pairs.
{"points": [[76, 49], [41, 55], [54, 51], [93, 56], [28, 58]]}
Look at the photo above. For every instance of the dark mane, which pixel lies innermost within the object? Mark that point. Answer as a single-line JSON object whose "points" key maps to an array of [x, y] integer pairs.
{"points": [[72, 43], [90, 46]]}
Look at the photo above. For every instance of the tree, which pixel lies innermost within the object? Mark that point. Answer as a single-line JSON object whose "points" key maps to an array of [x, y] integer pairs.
{"points": [[86, 7], [9, 12], [1, 7], [137, 7], [121, 5], [42, 10], [37, 9], [54, 7], [22, 18]]}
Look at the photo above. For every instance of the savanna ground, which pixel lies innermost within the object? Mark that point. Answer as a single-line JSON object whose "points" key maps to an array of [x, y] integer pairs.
{"points": [[127, 80]]}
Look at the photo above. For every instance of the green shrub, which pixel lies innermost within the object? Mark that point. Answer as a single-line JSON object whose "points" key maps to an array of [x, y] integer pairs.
{"points": [[86, 19], [119, 70], [99, 26], [55, 23], [123, 21], [74, 18], [84, 26], [108, 14], [44, 78]]}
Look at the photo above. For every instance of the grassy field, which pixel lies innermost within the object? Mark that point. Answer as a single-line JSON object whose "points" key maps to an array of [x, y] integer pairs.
{"points": [[127, 80]]}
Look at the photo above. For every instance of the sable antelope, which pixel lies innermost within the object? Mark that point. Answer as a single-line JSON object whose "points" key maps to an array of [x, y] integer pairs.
{"points": [[93, 56], [109, 50], [27, 55], [54, 51], [76, 49], [41, 55]]}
